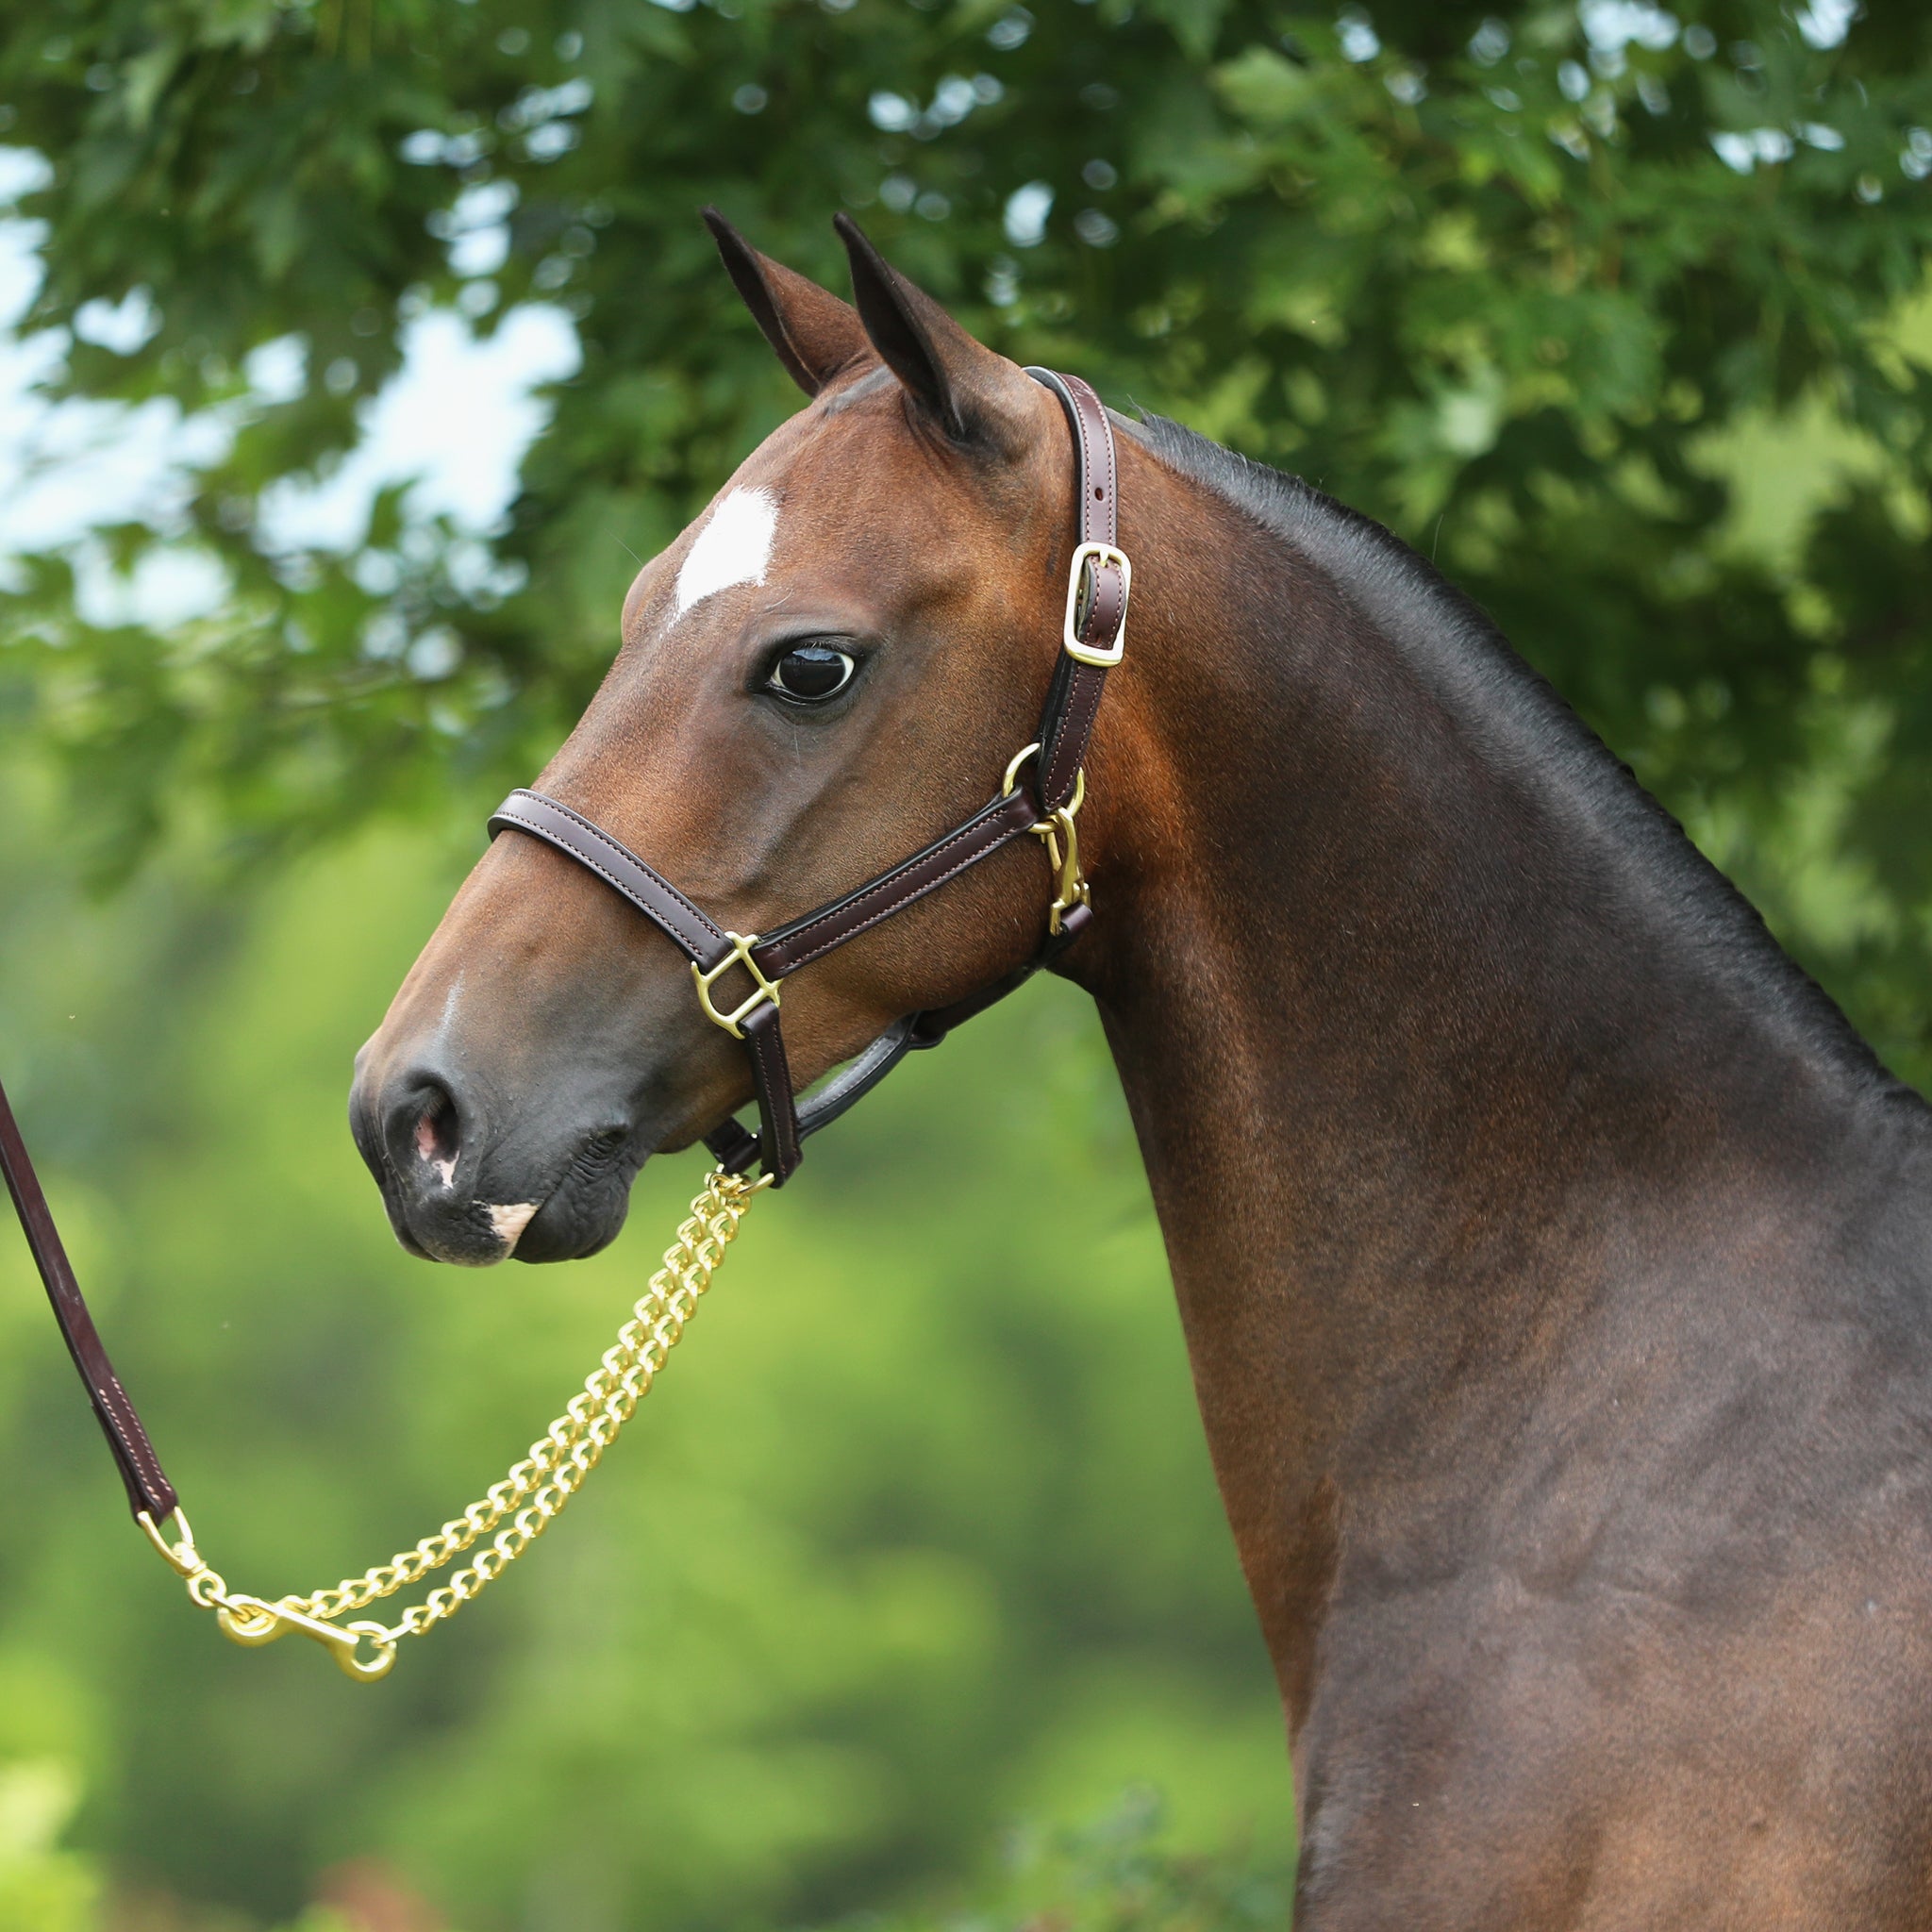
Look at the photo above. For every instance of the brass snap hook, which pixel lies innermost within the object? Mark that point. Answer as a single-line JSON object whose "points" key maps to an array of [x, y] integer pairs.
{"points": [[1062, 842], [250, 1622]]}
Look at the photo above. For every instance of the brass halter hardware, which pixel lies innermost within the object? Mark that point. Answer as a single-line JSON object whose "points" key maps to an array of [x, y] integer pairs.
{"points": [[740, 955], [1018, 759], [1058, 834], [1062, 842], [1090, 557]]}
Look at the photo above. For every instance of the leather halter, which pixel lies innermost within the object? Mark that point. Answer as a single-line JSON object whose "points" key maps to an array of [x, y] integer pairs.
{"points": [[1093, 637]]}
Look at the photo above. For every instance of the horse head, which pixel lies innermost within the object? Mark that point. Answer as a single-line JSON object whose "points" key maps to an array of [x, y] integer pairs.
{"points": [[836, 660]]}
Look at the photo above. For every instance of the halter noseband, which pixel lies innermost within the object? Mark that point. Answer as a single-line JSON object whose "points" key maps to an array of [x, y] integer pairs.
{"points": [[1092, 640]]}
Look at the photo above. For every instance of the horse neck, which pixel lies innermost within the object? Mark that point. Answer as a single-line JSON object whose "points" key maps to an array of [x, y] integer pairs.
{"points": [[1427, 1018]]}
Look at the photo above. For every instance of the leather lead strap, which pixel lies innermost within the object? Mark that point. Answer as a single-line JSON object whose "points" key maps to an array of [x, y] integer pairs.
{"points": [[134, 1456]]}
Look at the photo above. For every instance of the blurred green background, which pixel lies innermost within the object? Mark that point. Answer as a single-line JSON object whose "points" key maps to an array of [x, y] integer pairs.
{"points": [[909, 1588], [915, 1539]]}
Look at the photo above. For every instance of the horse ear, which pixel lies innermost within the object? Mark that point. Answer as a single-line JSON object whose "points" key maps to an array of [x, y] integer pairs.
{"points": [[949, 373], [815, 334]]}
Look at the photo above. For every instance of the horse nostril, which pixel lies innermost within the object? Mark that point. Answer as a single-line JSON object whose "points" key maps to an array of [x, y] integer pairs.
{"points": [[437, 1134]]}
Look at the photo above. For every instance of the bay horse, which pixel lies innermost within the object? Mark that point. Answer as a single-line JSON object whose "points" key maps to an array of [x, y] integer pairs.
{"points": [[1554, 1260]]}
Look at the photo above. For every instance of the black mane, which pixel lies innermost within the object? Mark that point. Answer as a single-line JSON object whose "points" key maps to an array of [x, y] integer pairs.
{"points": [[1456, 652]]}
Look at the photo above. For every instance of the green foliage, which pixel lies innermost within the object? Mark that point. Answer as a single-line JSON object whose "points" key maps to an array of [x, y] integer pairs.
{"points": [[1514, 280], [1114, 1875], [43, 1889]]}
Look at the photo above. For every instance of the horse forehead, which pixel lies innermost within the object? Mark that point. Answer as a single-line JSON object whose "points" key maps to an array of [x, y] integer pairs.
{"points": [[734, 541], [823, 482], [805, 492]]}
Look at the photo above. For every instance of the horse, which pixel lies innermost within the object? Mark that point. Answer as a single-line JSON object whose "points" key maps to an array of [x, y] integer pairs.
{"points": [[1554, 1260]]}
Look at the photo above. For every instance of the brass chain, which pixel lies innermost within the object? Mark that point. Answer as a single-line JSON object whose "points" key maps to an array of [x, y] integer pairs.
{"points": [[531, 1495]]}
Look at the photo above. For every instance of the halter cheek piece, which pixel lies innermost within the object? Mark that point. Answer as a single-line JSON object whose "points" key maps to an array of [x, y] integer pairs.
{"points": [[497, 1528], [739, 977]]}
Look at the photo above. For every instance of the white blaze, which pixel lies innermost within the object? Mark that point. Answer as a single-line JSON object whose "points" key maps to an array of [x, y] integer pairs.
{"points": [[734, 547]]}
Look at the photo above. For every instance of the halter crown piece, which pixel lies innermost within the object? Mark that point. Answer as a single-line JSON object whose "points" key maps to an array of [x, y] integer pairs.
{"points": [[513, 1512]]}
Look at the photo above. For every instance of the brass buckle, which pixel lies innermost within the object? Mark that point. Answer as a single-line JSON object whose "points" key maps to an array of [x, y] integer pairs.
{"points": [[1070, 634], [740, 955]]}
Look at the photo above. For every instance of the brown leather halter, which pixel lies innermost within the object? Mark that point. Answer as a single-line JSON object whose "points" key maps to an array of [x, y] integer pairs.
{"points": [[1092, 641], [1094, 638]]}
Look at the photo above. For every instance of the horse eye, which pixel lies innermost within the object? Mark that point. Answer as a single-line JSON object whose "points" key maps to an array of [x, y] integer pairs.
{"points": [[811, 672]]}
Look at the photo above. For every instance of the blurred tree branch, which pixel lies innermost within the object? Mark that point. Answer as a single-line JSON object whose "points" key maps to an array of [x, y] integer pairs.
{"points": [[1513, 279]]}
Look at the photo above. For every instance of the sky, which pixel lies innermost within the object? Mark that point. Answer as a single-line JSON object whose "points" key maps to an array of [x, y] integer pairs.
{"points": [[457, 417]]}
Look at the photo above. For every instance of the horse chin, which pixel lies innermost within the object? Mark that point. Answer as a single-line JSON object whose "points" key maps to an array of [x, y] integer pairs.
{"points": [[576, 1222]]}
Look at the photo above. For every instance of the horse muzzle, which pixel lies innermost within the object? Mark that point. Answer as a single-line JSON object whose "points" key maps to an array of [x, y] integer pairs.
{"points": [[455, 1192]]}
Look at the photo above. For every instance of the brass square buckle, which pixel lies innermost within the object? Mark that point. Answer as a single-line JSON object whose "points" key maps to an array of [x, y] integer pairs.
{"points": [[740, 955], [1096, 554]]}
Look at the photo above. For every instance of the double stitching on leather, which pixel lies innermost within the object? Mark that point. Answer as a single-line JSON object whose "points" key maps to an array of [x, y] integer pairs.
{"points": [[1074, 701], [1081, 705], [618, 885], [776, 955], [131, 1437], [512, 812], [777, 1105], [705, 955]]}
